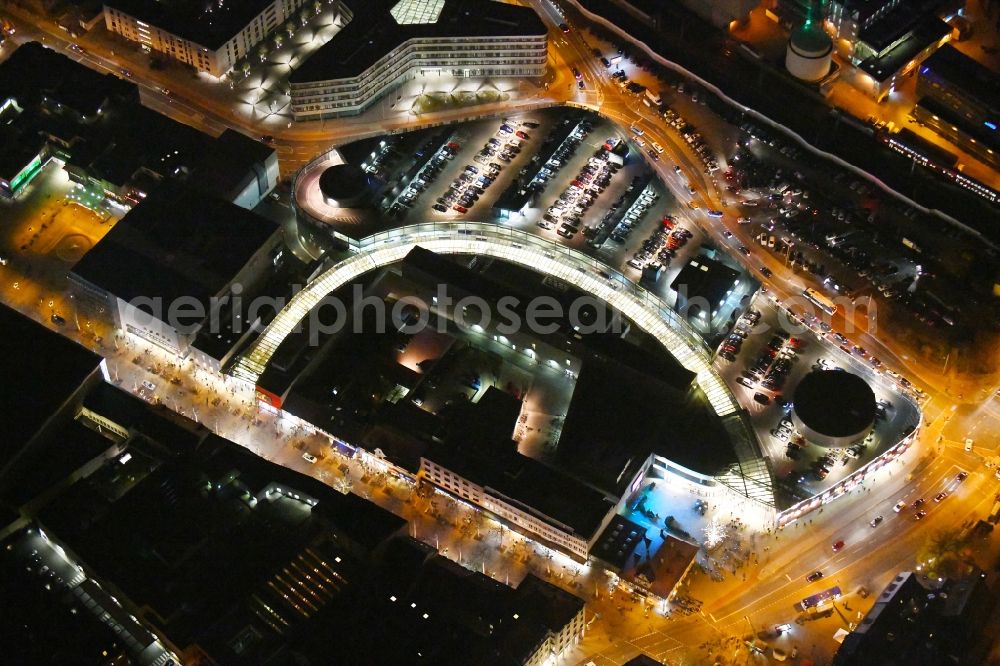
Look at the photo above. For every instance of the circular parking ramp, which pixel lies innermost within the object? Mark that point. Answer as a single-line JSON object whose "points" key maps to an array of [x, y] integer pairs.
{"points": [[833, 408]]}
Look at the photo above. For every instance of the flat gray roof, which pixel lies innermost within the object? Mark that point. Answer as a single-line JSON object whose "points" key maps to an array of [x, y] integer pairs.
{"points": [[176, 243]]}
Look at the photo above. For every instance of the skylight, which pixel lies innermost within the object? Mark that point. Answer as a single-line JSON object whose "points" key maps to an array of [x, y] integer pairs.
{"points": [[417, 11]]}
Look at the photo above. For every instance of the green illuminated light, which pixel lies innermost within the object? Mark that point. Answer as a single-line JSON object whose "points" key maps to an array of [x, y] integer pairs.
{"points": [[27, 173]]}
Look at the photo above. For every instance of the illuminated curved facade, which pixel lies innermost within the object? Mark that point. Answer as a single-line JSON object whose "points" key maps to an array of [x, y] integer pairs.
{"points": [[517, 247], [528, 250]]}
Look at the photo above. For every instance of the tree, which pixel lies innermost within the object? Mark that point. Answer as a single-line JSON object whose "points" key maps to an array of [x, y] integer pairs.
{"points": [[942, 555]]}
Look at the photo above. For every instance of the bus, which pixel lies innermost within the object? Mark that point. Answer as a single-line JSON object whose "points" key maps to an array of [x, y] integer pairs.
{"points": [[820, 301], [820, 598]]}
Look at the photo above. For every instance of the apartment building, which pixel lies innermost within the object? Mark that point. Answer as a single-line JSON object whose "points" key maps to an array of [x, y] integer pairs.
{"points": [[211, 38], [387, 43]]}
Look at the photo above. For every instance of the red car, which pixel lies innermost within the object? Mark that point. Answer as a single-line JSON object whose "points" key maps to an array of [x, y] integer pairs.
{"points": [[521, 135], [837, 547], [454, 146], [460, 209]]}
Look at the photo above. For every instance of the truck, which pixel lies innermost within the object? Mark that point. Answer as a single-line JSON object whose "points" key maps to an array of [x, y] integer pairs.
{"points": [[653, 97]]}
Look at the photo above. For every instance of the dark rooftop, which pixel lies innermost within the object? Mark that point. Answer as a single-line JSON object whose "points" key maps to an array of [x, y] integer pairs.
{"points": [[40, 374], [48, 627], [643, 660], [209, 24], [834, 402], [978, 81], [176, 243], [618, 541], [34, 71], [706, 278], [51, 460], [158, 423], [373, 32], [891, 26], [915, 625], [507, 280], [866, 8], [233, 160], [979, 132], [650, 416], [929, 30], [126, 143], [535, 487], [515, 478], [179, 539], [343, 181]]}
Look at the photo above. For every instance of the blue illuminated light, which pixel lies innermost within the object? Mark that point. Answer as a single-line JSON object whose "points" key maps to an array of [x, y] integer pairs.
{"points": [[992, 126]]}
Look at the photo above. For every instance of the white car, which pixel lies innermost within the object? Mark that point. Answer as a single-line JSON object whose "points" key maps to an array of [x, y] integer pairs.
{"points": [[899, 506], [309, 458], [149, 386], [968, 445]]}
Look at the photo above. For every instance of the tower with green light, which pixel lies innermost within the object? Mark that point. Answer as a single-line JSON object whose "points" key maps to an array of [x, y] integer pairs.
{"points": [[810, 49]]}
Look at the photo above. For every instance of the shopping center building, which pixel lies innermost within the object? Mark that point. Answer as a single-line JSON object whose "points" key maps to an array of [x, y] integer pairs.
{"points": [[387, 42]]}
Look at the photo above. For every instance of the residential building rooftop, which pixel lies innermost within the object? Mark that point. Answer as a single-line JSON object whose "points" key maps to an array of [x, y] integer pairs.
{"points": [[209, 24]]}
